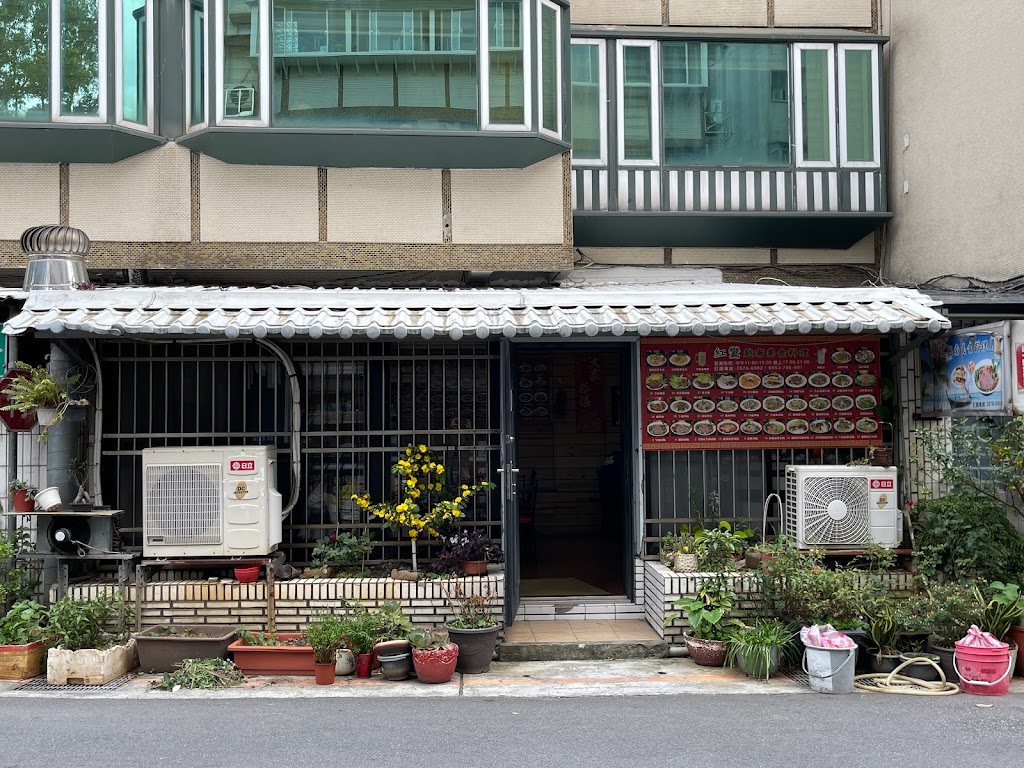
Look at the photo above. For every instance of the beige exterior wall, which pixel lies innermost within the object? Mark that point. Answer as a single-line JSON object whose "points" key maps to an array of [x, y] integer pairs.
{"points": [[625, 255], [29, 196], [962, 213], [716, 256], [616, 12], [717, 13], [826, 13], [258, 203], [862, 252], [510, 206], [380, 205], [146, 198]]}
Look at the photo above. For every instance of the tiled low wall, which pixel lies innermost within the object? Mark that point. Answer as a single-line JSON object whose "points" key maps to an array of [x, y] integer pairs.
{"points": [[229, 602], [664, 587]]}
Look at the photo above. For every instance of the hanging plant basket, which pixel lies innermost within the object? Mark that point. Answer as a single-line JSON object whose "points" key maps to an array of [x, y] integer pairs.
{"points": [[46, 416]]}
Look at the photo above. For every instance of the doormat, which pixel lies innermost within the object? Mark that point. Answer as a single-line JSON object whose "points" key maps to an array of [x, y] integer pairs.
{"points": [[37, 684], [557, 588]]}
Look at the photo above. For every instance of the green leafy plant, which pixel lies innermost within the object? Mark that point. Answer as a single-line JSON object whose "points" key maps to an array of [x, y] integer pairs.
{"points": [[708, 612], [755, 644], [392, 623], [266, 639], [433, 639], [361, 631], [39, 389], [21, 485], [950, 610], [884, 627], [16, 581], [102, 622], [23, 624], [325, 635], [342, 551], [718, 547], [202, 673], [966, 535], [1001, 608], [472, 611]]}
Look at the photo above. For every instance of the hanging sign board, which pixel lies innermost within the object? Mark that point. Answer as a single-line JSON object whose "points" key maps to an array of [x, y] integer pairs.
{"points": [[962, 372], [760, 392]]}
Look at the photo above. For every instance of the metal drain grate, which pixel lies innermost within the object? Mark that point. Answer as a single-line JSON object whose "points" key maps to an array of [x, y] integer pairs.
{"points": [[40, 684], [799, 677]]}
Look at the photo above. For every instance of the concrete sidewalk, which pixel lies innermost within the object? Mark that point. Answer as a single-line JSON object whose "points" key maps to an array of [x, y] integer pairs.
{"points": [[539, 679], [542, 679]]}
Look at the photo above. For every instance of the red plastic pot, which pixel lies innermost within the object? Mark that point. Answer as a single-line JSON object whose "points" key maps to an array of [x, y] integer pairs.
{"points": [[435, 666], [247, 574], [21, 502], [364, 664], [324, 674], [475, 568]]}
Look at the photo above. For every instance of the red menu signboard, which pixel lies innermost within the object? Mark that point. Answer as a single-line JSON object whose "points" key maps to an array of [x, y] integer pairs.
{"points": [[760, 392]]}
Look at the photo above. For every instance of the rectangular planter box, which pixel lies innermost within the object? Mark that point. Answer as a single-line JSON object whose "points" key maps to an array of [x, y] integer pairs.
{"points": [[273, 659], [18, 662], [164, 653], [89, 666]]}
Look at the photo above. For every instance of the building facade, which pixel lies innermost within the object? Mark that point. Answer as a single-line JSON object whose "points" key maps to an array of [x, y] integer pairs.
{"points": [[504, 211]]}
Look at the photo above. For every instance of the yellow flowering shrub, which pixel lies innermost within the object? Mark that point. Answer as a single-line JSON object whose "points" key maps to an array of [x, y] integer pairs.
{"points": [[417, 510]]}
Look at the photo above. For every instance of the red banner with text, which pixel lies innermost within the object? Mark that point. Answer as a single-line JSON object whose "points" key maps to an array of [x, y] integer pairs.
{"points": [[760, 392]]}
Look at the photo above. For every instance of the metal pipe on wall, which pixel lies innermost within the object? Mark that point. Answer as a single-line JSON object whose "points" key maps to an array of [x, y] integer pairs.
{"points": [[12, 437], [62, 443]]}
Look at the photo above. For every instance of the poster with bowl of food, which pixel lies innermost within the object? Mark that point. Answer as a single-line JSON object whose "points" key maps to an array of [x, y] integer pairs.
{"points": [[964, 371]]}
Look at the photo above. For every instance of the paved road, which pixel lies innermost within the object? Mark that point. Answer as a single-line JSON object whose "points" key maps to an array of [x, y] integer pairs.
{"points": [[809, 731]]}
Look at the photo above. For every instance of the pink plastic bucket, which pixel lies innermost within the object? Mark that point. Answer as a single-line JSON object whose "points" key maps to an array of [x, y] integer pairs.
{"points": [[983, 671]]}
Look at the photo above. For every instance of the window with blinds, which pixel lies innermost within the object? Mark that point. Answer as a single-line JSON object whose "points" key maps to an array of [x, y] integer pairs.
{"points": [[638, 115]]}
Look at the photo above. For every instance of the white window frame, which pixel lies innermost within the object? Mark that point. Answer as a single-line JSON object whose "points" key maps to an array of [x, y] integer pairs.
{"points": [[602, 97], [206, 66], [119, 68], [620, 115], [875, 107], [798, 110], [55, 66], [558, 69], [265, 69], [484, 57]]}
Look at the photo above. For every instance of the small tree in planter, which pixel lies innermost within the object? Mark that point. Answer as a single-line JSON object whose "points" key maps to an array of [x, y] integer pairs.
{"points": [[341, 552], [325, 634], [91, 640], [425, 504], [22, 650]]}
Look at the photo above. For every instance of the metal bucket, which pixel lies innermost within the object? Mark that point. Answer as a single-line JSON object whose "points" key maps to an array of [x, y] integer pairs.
{"points": [[830, 670]]}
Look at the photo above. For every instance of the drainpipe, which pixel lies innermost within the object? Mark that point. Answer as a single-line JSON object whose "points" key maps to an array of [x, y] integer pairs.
{"points": [[12, 440], [62, 443]]}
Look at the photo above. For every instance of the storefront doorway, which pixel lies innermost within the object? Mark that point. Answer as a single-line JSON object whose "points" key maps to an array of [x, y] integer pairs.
{"points": [[571, 419]]}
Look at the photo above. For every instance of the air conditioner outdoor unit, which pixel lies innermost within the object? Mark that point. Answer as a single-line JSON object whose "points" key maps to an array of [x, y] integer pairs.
{"points": [[210, 502], [842, 506]]}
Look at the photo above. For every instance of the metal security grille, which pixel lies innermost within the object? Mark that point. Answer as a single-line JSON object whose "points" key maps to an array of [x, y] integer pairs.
{"points": [[702, 487], [183, 504], [362, 403]]}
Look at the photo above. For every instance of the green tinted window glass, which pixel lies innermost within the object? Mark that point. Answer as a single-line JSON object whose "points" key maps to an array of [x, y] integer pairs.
{"points": [[197, 63], [549, 68], [507, 82], [860, 109], [24, 60], [636, 102], [586, 101], [133, 61], [814, 103]]}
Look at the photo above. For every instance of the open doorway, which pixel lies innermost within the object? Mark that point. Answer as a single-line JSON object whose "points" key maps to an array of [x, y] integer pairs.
{"points": [[571, 417]]}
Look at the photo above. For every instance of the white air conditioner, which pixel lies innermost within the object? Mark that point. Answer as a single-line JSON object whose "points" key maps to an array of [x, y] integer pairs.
{"points": [[842, 506], [210, 502]]}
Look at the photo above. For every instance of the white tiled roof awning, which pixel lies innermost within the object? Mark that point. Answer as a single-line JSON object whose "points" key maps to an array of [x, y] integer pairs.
{"points": [[616, 310]]}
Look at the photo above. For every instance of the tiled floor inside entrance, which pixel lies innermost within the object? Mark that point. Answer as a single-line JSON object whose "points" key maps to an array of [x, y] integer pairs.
{"points": [[594, 631]]}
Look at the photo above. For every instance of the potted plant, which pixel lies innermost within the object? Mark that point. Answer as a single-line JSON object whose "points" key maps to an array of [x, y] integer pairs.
{"points": [[708, 616], [392, 649], [22, 650], [359, 634], [40, 393], [341, 553], [90, 640], [678, 552], [467, 552], [22, 496], [272, 653], [951, 609], [883, 635], [433, 655], [325, 635], [757, 649], [1001, 609], [162, 648], [16, 582], [474, 628]]}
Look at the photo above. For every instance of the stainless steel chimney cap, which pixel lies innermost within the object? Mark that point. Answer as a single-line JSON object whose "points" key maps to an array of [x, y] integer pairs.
{"points": [[54, 239], [56, 258]]}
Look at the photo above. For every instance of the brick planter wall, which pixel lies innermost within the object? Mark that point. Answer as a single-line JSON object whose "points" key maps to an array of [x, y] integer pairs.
{"points": [[664, 586], [205, 602]]}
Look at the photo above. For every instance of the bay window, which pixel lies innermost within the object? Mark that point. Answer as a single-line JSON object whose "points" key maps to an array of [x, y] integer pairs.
{"points": [[589, 102], [134, 69], [550, 68], [25, 60], [79, 75], [196, 44]]}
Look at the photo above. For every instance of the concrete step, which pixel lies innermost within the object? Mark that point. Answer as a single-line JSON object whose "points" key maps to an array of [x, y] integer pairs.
{"points": [[582, 650]]}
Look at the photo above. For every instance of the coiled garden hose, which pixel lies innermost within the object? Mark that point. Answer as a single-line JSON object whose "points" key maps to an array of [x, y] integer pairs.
{"points": [[893, 682]]}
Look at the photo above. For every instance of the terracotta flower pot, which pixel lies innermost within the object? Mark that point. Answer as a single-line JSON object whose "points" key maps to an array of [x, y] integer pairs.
{"points": [[475, 568], [364, 664], [324, 673], [273, 659], [707, 653], [21, 502], [435, 666]]}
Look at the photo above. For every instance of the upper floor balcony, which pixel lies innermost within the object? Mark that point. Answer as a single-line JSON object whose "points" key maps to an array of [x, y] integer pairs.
{"points": [[732, 140], [395, 83]]}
